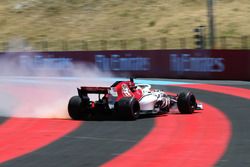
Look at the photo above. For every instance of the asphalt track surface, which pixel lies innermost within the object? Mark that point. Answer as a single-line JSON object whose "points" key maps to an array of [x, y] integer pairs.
{"points": [[217, 136]]}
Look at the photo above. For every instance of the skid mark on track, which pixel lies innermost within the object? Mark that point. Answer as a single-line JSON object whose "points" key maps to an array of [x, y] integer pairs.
{"points": [[102, 139]]}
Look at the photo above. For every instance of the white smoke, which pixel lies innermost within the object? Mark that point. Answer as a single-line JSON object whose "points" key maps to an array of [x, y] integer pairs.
{"points": [[42, 92]]}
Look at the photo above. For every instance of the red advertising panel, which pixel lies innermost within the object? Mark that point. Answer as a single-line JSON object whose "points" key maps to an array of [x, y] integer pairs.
{"points": [[191, 64], [236, 62], [210, 64]]}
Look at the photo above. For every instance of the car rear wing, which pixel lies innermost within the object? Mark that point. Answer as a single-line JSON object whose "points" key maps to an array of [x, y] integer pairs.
{"points": [[84, 90]]}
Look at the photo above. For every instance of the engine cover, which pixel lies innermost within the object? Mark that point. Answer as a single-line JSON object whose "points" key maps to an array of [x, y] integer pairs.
{"points": [[147, 102]]}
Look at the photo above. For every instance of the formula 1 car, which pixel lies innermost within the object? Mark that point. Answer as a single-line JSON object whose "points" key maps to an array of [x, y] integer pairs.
{"points": [[128, 100]]}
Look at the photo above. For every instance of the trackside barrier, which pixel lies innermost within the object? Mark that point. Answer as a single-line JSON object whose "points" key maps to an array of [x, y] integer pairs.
{"points": [[189, 64]]}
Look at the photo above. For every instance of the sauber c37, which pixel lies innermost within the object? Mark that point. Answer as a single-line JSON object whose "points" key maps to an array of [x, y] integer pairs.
{"points": [[129, 101]]}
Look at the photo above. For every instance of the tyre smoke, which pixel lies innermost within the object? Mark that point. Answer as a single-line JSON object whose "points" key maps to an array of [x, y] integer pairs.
{"points": [[44, 92]]}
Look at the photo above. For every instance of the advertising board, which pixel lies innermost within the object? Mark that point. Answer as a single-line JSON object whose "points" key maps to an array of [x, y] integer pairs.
{"points": [[188, 64]]}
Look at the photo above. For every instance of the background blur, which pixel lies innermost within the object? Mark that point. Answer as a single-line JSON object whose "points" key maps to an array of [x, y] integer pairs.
{"points": [[55, 25]]}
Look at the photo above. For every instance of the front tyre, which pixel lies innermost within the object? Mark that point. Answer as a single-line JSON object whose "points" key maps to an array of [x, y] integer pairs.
{"points": [[128, 108], [77, 108], [186, 102]]}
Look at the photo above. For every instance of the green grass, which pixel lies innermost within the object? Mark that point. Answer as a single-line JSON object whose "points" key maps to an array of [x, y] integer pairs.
{"points": [[57, 20]]}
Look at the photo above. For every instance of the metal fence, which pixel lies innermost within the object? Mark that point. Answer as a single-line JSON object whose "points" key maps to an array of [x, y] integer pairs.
{"points": [[126, 44]]}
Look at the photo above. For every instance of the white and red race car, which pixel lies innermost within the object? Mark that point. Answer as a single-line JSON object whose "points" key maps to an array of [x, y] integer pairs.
{"points": [[128, 100]]}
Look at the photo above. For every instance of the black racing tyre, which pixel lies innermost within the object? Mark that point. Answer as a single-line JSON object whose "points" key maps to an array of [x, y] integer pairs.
{"points": [[186, 102], [128, 108], [78, 108]]}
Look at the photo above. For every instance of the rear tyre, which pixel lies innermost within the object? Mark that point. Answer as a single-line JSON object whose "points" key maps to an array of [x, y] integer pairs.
{"points": [[186, 102], [128, 108], [78, 108]]}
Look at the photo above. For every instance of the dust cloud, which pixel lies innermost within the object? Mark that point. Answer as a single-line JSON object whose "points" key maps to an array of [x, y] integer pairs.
{"points": [[44, 92]]}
